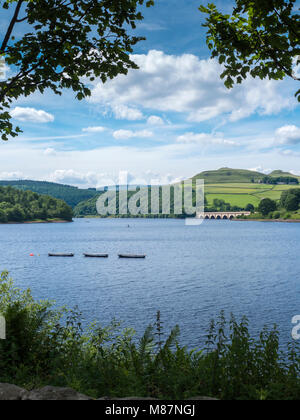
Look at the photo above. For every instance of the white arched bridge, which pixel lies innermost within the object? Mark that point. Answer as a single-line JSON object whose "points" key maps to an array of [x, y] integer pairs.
{"points": [[228, 215]]}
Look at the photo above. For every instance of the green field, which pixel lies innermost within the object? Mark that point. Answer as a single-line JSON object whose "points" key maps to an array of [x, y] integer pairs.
{"points": [[240, 194], [240, 200]]}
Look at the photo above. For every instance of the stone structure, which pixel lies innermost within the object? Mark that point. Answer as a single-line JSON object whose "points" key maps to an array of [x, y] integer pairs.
{"points": [[228, 215]]}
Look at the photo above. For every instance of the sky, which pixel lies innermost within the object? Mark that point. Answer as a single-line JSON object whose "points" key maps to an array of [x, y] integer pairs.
{"points": [[167, 121]]}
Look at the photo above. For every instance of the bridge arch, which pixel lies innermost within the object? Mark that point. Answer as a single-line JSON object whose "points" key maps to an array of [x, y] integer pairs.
{"points": [[223, 215]]}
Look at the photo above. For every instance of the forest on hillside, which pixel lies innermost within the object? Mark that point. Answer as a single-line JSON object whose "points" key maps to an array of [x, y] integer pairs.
{"points": [[21, 206], [71, 195]]}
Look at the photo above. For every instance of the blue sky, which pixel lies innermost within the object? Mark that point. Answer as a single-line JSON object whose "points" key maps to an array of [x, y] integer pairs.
{"points": [[169, 120]]}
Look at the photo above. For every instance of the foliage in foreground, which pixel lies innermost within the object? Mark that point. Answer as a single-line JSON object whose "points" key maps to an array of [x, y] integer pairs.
{"points": [[68, 45], [46, 346], [260, 38]]}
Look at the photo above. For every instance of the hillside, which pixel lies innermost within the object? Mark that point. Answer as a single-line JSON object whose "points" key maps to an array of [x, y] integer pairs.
{"points": [[26, 206], [71, 195], [228, 175], [276, 174]]}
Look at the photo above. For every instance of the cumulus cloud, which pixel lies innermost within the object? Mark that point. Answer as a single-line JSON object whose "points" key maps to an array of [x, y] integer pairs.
{"points": [[288, 134], [128, 134], [123, 112], [70, 176], [261, 169], [31, 115], [204, 139], [186, 84], [11, 176], [151, 27], [154, 120], [94, 129], [103, 179]]}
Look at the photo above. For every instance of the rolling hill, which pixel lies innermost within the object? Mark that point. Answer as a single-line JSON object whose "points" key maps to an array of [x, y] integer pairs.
{"points": [[228, 175], [71, 195], [276, 174]]}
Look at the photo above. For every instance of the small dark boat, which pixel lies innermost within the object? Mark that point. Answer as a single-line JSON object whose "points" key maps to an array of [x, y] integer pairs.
{"points": [[61, 255], [131, 256], [96, 255]]}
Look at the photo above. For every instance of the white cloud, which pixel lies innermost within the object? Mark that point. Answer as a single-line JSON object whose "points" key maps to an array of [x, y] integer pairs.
{"points": [[186, 84], [261, 169], [151, 27], [69, 176], [204, 139], [4, 69], [154, 120], [100, 180], [123, 112], [297, 173], [11, 176], [288, 134], [296, 67], [49, 152], [94, 129], [128, 134], [31, 115]]}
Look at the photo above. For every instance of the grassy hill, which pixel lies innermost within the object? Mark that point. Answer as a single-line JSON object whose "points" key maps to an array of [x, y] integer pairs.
{"points": [[276, 174], [228, 175], [71, 195], [240, 187]]}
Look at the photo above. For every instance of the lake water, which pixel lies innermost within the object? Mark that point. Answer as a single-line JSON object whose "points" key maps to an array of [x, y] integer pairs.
{"points": [[190, 274]]}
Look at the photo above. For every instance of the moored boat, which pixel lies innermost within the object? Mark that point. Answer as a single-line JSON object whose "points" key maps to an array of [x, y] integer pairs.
{"points": [[60, 255], [96, 255], [131, 256]]}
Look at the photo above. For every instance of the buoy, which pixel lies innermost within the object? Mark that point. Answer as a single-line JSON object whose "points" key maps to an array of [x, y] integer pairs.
{"points": [[31, 255]]}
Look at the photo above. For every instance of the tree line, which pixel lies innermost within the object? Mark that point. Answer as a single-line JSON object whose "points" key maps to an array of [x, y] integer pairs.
{"points": [[21, 206], [287, 180]]}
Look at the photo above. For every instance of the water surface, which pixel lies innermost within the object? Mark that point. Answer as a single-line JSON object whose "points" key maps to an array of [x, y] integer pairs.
{"points": [[190, 274]]}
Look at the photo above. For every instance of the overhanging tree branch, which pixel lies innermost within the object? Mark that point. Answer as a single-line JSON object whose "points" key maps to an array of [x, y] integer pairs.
{"points": [[11, 27], [70, 42]]}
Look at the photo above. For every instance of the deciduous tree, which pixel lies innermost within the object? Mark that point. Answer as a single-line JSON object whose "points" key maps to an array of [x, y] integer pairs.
{"points": [[67, 43], [260, 38]]}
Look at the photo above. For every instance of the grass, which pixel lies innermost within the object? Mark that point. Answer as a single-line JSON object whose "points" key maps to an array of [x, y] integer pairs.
{"points": [[240, 195], [240, 200], [228, 175]]}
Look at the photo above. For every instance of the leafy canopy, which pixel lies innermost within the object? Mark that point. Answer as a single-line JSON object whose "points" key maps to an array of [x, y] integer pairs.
{"points": [[260, 38], [68, 44]]}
